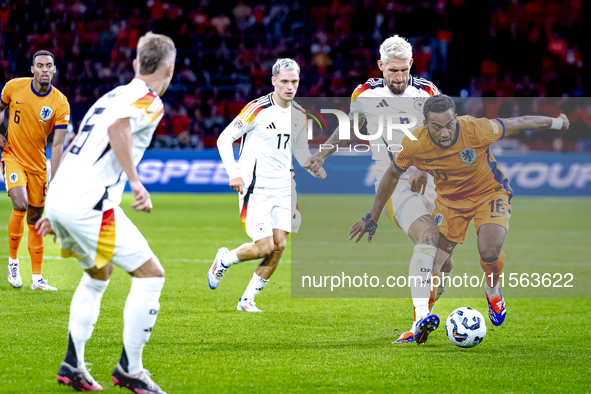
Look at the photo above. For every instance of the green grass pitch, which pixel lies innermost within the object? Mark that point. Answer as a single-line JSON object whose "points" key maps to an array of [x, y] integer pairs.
{"points": [[202, 344]]}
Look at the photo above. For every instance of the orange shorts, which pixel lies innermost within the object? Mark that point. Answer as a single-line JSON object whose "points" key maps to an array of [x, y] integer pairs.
{"points": [[453, 223], [15, 175]]}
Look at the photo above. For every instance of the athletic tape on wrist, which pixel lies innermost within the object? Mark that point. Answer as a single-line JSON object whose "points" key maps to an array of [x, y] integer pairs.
{"points": [[556, 124]]}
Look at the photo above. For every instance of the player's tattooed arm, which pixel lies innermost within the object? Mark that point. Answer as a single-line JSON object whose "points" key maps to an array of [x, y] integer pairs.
{"points": [[334, 142], [418, 180], [314, 162], [534, 123]]}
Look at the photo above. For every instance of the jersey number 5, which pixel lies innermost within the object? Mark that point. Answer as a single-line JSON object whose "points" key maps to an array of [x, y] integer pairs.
{"points": [[84, 132], [285, 142]]}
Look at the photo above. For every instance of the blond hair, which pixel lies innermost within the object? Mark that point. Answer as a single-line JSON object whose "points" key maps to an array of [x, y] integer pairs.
{"points": [[395, 47], [285, 64], [152, 51]]}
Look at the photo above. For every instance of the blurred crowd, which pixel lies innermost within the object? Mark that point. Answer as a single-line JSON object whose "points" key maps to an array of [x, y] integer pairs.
{"points": [[577, 109], [527, 48]]}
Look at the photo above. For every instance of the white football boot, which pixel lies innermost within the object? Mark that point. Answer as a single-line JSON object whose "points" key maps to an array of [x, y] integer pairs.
{"points": [[41, 284], [217, 270], [247, 305], [14, 273]]}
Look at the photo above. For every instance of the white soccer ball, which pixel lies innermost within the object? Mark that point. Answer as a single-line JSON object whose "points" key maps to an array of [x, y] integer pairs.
{"points": [[465, 327]]}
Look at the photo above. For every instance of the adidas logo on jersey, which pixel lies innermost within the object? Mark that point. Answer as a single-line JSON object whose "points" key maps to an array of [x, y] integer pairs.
{"points": [[272, 126], [382, 103]]}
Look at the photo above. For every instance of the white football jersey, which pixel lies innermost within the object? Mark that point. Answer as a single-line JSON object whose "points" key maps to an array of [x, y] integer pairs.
{"points": [[90, 176], [374, 102], [266, 145]]}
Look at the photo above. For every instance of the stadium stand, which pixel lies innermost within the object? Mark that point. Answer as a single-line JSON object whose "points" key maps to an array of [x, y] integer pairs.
{"points": [[226, 49]]}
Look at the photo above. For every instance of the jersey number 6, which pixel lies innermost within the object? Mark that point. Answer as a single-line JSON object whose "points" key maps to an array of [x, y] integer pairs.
{"points": [[439, 174]]}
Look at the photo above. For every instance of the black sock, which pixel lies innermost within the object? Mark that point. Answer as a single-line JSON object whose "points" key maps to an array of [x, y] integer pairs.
{"points": [[71, 357], [123, 361]]}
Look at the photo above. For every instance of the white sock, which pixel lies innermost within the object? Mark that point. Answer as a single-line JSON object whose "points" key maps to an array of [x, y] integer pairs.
{"points": [[139, 314], [421, 266], [230, 258], [413, 329], [84, 312], [255, 286], [492, 291], [444, 278], [12, 261], [37, 278]]}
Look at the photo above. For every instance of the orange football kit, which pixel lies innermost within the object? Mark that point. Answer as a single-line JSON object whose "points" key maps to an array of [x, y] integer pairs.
{"points": [[468, 180], [33, 117]]}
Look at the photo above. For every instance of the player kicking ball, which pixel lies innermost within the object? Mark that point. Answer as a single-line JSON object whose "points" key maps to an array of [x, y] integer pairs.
{"points": [[469, 184], [36, 109], [266, 206], [83, 211], [412, 201]]}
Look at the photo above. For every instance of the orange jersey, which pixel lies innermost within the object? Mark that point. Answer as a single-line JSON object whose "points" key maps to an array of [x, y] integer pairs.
{"points": [[466, 171], [33, 116]]}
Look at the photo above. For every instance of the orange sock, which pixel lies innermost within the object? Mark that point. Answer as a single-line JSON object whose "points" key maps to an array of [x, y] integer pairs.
{"points": [[35, 250], [16, 228], [495, 268]]}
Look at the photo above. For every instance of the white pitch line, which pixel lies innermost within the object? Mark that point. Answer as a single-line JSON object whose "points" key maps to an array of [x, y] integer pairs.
{"points": [[209, 261], [165, 260], [335, 262], [44, 257]]}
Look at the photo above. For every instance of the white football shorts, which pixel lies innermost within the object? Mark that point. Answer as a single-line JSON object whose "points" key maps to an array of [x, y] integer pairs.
{"points": [[406, 205], [96, 238], [263, 209]]}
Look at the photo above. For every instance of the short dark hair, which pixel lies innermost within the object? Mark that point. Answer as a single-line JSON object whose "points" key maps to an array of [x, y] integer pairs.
{"points": [[438, 104], [43, 53]]}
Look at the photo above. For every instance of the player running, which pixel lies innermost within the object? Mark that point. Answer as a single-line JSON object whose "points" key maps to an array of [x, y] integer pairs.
{"points": [[36, 109], [398, 93], [266, 207], [469, 184], [83, 210]]}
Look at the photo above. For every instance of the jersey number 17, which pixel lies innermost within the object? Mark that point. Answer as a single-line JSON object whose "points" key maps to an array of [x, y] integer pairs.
{"points": [[284, 143]]}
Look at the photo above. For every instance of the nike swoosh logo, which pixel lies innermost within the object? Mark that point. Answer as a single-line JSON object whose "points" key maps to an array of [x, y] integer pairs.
{"points": [[38, 252], [14, 239], [498, 216], [429, 161], [19, 103]]}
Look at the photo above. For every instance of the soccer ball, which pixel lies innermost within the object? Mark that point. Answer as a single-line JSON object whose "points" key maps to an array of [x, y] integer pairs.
{"points": [[465, 327]]}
